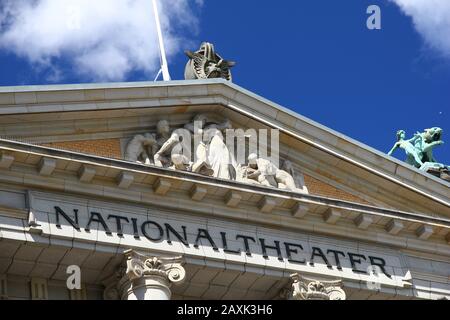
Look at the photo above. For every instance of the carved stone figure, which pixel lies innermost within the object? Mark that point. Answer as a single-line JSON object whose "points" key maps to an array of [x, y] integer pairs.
{"points": [[197, 125], [171, 154], [162, 133], [138, 149], [298, 177], [220, 158], [206, 63], [266, 173], [211, 154], [168, 150], [201, 164], [260, 170], [212, 157]]}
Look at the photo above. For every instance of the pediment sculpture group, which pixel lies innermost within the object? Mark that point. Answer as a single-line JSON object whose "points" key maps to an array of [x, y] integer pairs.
{"points": [[419, 151], [167, 148]]}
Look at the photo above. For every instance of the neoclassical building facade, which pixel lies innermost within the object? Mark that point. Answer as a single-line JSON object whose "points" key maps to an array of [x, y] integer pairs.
{"points": [[96, 181]]}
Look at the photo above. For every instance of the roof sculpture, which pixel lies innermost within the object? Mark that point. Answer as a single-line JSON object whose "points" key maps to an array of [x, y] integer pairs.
{"points": [[206, 64], [419, 151]]}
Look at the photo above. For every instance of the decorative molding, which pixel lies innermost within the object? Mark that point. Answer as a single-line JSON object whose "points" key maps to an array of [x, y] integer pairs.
{"points": [[39, 289], [165, 270], [103, 163], [170, 176], [309, 289]]}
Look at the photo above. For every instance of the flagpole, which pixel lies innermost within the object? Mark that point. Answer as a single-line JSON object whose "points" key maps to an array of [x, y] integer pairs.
{"points": [[164, 65]]}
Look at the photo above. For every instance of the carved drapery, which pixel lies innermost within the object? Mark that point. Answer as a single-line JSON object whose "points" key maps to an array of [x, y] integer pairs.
{"points": [[310, 289]]}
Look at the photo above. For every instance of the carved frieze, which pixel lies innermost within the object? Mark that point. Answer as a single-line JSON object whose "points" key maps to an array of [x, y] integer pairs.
{"points": [[201, 146]]}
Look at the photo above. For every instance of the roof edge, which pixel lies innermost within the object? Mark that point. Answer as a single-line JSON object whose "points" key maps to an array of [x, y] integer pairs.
{"points": [[258, 98]]}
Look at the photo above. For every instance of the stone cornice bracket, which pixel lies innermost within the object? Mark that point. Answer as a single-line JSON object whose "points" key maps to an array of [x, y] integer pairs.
{"points": [[309, 289], [139, 266]]}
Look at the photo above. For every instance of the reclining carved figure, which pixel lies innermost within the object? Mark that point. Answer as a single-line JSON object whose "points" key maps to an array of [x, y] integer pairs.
{"points": [[264, 172]]}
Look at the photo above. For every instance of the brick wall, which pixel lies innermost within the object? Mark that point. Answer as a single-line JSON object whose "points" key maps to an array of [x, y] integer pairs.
{"points": [[109, 148], [319, 188]]}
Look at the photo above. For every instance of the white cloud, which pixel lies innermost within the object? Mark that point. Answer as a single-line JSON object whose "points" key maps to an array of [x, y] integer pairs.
{"points": [[431, 19], [101, 39]]}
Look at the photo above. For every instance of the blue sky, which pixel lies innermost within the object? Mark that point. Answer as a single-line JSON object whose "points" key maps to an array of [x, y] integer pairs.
{"points": [[314, 57]]}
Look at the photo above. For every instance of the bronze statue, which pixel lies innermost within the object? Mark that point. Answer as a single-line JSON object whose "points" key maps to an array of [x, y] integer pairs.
{"points": [[419, 151]]}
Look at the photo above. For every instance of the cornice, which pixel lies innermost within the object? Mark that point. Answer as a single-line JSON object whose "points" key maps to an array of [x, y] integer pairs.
{"points": [[290, 210], [90, 97]]}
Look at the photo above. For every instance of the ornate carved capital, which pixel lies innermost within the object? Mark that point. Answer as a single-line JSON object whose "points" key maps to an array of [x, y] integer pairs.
{"points": [[139, 266], [310, 289], [140, 272]]}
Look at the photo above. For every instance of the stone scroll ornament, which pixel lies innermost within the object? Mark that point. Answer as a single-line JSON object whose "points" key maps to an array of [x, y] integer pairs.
{"points": [[138, 266], [207, 64], [165, 272], [309, 289], [419, 151]]}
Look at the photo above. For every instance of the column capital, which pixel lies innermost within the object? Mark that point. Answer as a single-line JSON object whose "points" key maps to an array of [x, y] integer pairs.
{"points": [[140, 265], [144, 277], [311, 289]]}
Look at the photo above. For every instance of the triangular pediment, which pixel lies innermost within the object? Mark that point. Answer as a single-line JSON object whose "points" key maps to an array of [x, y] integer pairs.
{"points": [[101, 120]]}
